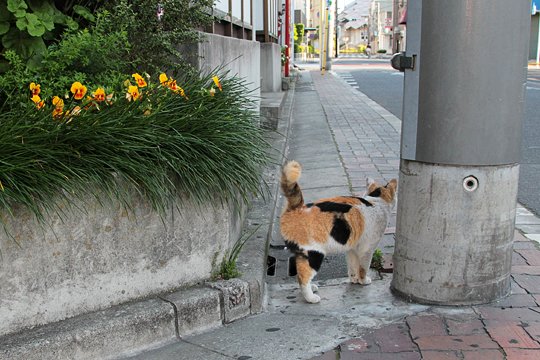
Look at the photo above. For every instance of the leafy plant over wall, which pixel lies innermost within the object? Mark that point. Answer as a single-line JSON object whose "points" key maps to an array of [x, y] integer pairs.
{"points": [[27, 25], [199, 142], [95, 55], [162, 42]]}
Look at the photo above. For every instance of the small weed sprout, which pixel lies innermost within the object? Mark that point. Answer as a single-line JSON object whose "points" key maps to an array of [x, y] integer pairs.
{"points": [[377, 260], [228, 268]]}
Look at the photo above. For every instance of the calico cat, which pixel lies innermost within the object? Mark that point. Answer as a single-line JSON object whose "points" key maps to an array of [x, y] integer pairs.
{"points": [[340, 224]]}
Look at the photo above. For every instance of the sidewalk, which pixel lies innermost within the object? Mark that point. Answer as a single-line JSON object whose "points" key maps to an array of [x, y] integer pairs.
{"points": [[341, 137]]}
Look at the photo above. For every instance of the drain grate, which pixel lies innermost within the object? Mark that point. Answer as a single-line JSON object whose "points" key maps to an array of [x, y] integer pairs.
{"points": [[292, 266], [271, 266]]}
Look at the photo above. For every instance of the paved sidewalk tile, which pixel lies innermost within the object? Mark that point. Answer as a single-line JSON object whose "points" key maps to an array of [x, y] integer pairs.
{"points": [[516, 300], [522, 354], [461, 342], [483, 355], [441, 355], [510, 334], [531, 256], [426, 325], [531, 283], [470, 327], [510, 314]]}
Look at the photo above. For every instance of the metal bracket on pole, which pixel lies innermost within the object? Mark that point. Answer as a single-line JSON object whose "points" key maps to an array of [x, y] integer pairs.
{"points": [[400, 61]]}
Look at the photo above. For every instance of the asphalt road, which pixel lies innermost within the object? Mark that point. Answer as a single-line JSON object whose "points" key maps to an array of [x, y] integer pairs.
{"points": [[380, 82]]}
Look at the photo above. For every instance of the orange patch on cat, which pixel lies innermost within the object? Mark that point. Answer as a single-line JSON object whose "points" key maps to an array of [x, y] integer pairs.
{"points": [[306, 224]]}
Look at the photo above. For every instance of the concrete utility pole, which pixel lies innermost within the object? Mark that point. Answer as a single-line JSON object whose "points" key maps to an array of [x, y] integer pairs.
{"points": [[395, 26], [460, 149], [287, 36]]}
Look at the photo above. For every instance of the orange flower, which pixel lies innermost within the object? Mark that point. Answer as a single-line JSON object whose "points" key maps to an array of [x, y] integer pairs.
{"points": [[58, 107], [58, 112], [99, 95], [163, 78], [56, 101], [172, 85], [133, 93], [35, 88], [78, 90], [37, 100], [217, 82], [140, 80]]}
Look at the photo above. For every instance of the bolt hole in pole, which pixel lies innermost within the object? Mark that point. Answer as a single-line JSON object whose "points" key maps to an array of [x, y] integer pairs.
{"points": [[470, 183]]}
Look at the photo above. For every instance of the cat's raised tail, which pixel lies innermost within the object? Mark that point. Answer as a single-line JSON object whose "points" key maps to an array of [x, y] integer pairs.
{"points": [[289, 185]]}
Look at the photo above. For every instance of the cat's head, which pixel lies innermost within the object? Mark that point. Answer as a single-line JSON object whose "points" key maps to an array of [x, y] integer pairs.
{"points": [[385, 192]]}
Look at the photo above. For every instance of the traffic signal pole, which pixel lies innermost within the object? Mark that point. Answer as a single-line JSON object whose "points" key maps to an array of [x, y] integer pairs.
{"points": [[287, 36], [464, 87]]}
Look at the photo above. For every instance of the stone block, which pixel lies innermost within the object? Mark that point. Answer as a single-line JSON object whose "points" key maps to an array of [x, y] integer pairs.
{"points": [[197, 309], [236, 298], [104, 334]]}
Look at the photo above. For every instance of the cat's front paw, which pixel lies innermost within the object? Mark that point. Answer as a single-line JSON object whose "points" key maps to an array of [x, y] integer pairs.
{"points": [[354, 279], [313, 299], [365, 281]]}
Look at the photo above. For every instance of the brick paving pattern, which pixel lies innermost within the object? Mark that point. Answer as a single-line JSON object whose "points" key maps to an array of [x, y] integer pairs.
{"points": [[368, 144]]}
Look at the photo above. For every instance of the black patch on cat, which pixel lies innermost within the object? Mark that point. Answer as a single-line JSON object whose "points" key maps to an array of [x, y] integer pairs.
{"points": [[309, 205], [292, 247], [363, 201], [375, 193], [330, 206], [340, 231], [315, 259]]}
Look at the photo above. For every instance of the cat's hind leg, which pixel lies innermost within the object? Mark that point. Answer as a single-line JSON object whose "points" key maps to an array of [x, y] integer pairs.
{"points": [[364, 262], [306, 268], [354, 265]]}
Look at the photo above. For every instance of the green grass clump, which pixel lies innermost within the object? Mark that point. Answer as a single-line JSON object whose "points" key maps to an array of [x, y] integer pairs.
{"points": [[204, 148]]}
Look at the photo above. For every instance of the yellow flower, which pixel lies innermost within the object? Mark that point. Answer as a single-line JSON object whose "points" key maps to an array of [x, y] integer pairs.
{"points": [[99, 95], [57, 102], [1, 186], [212, 91], [35, 88], [139, 79], [78, 90], [133, 93], [163, 78], [37, 100], [217, 82], [58, 107], [58, 112]]}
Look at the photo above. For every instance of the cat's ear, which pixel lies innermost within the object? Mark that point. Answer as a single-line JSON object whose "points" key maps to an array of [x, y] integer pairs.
{"points": [[369, 182], [371, 185], [393, 184]]}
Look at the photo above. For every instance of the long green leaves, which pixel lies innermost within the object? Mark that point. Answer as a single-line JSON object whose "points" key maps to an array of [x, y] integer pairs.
{"points": [[204, 148]]}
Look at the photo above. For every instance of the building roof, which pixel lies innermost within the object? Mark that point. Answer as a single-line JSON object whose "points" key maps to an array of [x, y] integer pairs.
{"points": [[355, 14]]}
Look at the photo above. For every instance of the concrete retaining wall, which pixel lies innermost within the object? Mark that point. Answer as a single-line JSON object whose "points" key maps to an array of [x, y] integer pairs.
{"points": [[106, 256], [270, 67], [240, 57]]}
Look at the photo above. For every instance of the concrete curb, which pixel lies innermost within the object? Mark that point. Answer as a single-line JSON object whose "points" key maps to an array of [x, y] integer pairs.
{"points": [[127, 329]]}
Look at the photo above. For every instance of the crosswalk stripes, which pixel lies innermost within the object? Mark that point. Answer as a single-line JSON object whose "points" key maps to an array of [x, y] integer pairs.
{"points": [[349, 79]]}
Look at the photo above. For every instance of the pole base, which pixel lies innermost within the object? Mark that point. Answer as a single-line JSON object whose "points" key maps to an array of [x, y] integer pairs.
{"points": [[454, 233]]}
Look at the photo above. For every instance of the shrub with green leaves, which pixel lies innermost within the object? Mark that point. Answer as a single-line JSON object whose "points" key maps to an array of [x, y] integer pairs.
{"points": [[28, 26], [197, 142], [96, 56], [158, 42]]}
